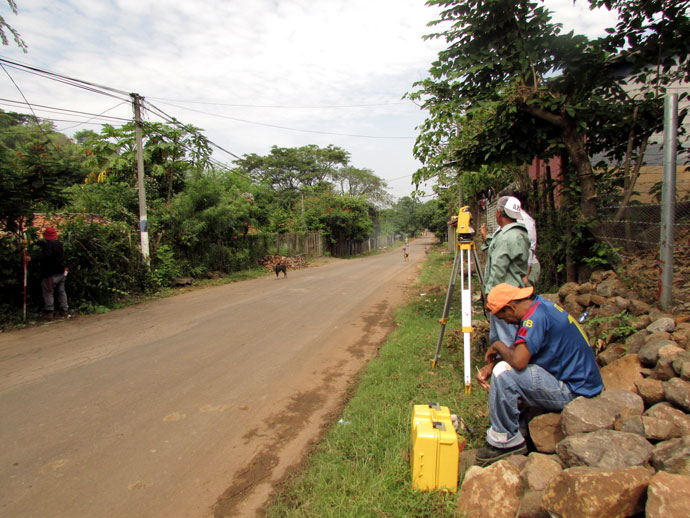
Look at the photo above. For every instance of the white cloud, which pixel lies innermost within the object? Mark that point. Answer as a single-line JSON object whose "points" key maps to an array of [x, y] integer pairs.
{"points": [[285, 53]]}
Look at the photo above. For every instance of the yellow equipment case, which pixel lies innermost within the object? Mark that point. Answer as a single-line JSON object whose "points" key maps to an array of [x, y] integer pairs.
{"points": [[434, 449]]}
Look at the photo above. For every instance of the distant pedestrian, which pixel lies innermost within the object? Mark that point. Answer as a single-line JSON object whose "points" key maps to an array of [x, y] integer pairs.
{"points": [[51, 262]]}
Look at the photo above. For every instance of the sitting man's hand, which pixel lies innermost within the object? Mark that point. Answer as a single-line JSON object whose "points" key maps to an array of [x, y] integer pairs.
{"points": [[484, 374]]}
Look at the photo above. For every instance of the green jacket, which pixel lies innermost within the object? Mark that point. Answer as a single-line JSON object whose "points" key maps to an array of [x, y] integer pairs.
{"points": [[508, 253]]}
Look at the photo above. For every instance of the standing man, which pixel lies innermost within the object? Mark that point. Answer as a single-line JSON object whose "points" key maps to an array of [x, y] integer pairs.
{"points": [[533, 266], [507, 259], [52, 267], [549, 364]]}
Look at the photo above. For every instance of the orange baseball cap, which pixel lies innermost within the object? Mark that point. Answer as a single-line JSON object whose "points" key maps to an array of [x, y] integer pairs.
{"points": [[503, 293]]}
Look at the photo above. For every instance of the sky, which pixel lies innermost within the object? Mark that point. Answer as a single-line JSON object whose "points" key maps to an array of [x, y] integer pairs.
{"points": [[251, 74]]}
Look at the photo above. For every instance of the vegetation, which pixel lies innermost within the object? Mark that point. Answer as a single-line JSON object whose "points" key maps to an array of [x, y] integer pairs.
{"points": [[511, 86], [361, 468], [203, 217]]}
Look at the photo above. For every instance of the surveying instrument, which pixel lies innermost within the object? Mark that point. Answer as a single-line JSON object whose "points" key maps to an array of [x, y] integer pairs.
{"points": [[465, 251]]}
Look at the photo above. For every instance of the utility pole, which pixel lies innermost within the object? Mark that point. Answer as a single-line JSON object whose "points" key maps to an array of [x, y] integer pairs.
{"points": [[143, 223]]}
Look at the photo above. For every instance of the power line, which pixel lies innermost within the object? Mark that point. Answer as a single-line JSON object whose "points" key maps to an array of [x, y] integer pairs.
{"points": [[25, 99], [94, 87], [96, 116], [288, 128], [53, 109], [173, 120], [279, 106]]}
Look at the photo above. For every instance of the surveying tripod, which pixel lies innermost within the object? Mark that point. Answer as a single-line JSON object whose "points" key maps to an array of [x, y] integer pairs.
{"points": [[465, 251]]}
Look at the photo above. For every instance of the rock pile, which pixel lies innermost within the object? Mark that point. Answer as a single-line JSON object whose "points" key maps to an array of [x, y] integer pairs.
{"points": [[296, 262], [623, 453]]}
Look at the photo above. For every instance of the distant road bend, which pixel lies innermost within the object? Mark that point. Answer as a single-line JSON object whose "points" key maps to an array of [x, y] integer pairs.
{"points": [[190, 406]]}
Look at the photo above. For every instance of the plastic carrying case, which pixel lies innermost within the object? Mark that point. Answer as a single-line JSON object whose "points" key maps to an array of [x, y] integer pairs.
{"points": [[434, 449]]}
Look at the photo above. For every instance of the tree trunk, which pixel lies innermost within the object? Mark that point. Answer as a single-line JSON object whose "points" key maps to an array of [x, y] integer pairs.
{"points": [[577, 152]]}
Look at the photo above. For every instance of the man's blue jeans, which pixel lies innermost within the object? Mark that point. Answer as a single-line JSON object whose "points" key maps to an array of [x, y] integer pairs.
{"points": [[534, 386]]}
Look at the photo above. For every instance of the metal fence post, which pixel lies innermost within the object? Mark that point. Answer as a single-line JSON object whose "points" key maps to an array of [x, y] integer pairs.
{"points": [[668, 198]]}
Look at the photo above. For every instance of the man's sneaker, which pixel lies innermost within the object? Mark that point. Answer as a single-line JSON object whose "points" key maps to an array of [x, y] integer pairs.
{"points": [[47, 316], [490, 454], [65, 314]]}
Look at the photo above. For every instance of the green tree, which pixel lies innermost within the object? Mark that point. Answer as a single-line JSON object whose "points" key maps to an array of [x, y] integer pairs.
{"points": [[518, 88], [36, 164], [170, 152], [339, 217], [353, 181], [292, 169]]}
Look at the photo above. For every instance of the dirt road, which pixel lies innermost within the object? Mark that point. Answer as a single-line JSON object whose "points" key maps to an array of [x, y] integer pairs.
{"points": [[192, 406]]}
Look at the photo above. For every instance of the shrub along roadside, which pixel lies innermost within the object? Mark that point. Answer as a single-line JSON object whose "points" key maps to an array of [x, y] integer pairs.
{"points": [[361, 467]]}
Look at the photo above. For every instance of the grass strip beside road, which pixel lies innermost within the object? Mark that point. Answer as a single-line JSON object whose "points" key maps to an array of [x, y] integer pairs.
{"points": [[361, 467]]}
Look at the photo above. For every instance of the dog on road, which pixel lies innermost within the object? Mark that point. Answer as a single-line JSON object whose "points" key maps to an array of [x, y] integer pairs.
{"points": [[405, 256], [280, 268]]}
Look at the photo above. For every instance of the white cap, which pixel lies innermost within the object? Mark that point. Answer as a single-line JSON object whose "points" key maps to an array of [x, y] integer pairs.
{"points": [[510, 206]]}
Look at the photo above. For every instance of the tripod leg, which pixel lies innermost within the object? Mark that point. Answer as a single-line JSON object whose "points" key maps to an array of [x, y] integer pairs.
{"points": [[446, 307], [481, 280]]}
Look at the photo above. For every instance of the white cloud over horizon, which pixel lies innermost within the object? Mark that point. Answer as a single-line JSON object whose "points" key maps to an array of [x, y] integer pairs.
{"points": [[330, 69]]}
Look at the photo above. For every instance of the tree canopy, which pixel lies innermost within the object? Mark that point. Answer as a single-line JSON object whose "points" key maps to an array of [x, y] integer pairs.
{"points": [[511, 86]]}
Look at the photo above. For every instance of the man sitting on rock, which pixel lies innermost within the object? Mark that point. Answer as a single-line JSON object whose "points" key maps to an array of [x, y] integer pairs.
{"points": [[549, 364]]}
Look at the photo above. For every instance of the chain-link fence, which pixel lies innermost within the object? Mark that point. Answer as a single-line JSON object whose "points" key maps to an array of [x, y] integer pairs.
{"points": [[634, 231]]}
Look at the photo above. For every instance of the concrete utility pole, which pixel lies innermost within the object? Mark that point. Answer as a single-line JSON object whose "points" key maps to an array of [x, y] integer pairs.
{"points": [[143, 223], [668, 198]]}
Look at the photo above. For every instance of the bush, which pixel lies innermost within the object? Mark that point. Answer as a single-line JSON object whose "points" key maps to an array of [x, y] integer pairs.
{"points": [[104, 263]]}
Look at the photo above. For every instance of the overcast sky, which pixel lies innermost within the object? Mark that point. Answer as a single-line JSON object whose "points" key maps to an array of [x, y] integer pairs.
{"points": [[251, 73]]}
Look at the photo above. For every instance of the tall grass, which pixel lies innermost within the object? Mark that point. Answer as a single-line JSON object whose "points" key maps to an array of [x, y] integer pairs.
{"points": [[361, 468]]}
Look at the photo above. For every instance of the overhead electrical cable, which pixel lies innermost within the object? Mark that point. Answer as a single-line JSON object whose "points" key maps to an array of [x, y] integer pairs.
{"points": [[278, 106], [173, 120], [53, 109], [66, 79], [25, 99], [97, 116], [288, 128]]}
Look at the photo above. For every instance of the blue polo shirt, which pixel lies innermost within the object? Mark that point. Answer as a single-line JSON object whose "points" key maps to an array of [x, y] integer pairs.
{"points": [[557, 343]]}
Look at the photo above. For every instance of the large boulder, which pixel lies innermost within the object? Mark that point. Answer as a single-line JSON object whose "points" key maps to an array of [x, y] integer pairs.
{"points": [[677, 392], [651, 428], [531, 505], [667, 412], [611, 354], [584, 415], [649, 352], [635, 341], [539, 470], [492, 492], [627, 403], [546, 432], [611, 287], [651, 391], [605, 449], [673, 456], [622, 373], [668, 496], [591, 493], [665, 323]]}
